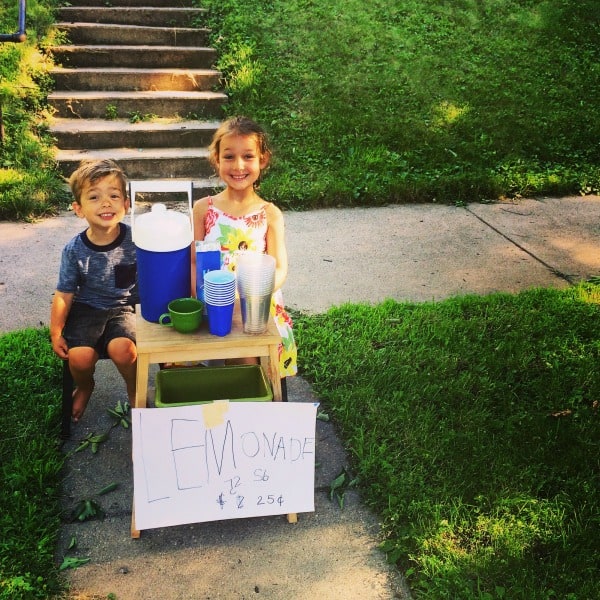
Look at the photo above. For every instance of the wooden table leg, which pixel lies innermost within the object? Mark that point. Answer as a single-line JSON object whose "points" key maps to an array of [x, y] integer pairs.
{"points": [[141, 394], [273, 372], [141, 386], [135, 533], [275, 379]]}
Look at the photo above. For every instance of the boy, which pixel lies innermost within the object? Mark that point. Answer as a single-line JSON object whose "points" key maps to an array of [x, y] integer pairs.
{"points": [[93, 307]]}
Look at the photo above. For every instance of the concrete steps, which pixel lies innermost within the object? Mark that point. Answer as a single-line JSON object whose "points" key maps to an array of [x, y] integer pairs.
{"points": [[146, 163], [93, 134], [136, 104], [121, 79], [98, 33], [151, 16], [135, 82], [133, 56], [130, 3]]}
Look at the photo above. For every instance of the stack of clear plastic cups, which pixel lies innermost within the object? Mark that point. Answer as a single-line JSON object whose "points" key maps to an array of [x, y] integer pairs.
{"points": [[255, 283], [219, 298]]}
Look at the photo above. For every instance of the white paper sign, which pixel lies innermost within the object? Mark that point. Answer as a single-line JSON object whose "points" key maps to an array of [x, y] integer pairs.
{"points": [[223, 460]]}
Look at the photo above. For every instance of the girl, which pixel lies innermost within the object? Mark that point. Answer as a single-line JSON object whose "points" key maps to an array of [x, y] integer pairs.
{"points": [[239, 219]]}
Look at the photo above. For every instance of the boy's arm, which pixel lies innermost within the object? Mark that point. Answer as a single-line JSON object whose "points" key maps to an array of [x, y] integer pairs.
{"points": [[61, 305]]}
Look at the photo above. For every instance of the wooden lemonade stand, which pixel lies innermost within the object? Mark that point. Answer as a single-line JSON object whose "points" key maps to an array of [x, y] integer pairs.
{"points": [[157, 344]]}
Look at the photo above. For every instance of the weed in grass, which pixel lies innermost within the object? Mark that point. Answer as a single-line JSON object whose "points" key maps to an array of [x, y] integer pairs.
{"points": [[71, 562], [87, 509], [92, 441], [120, 414], [84, 510], [340, 485], [137, 117]]}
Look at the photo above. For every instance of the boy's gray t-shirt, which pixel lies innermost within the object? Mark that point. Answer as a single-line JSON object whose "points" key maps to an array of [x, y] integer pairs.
{"points": [[100, 276]]}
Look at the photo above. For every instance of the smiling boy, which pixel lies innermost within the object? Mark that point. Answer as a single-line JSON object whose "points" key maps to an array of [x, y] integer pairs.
{"points": [[92, 310]]}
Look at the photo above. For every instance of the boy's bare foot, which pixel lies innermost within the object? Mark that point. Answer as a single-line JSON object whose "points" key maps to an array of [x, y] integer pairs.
{"points": [[81, 397]]}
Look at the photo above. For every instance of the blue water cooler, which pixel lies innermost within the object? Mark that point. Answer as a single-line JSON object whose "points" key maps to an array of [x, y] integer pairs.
{"points": [[163, 246]]}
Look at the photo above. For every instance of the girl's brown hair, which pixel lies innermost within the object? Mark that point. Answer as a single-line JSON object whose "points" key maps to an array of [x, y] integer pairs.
{"points": [[239, 126]]}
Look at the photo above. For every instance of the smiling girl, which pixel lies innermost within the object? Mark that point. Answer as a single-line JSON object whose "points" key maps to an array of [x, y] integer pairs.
{"points": [[239, 219]]}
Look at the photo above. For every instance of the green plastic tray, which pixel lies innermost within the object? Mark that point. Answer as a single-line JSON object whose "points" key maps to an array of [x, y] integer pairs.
{"points": [[199, 385]]}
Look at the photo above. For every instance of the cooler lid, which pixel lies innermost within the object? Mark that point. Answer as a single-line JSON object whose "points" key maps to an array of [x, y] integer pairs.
{"points": [[162, 230]]}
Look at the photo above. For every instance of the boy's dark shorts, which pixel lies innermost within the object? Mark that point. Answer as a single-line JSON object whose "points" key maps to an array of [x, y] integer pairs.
{"points": [[95, 327]]}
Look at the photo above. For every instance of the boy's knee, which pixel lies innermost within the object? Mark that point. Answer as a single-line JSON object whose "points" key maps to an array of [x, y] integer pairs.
{"points": [[82, 358], [122, 351]]}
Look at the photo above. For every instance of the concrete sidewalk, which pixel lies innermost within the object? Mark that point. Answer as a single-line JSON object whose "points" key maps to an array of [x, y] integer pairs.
{"points": [[417, 253]]}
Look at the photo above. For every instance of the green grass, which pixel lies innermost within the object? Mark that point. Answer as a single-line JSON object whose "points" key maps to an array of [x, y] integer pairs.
{"points": [[387, 102], [472, 423], [473, 427], [30, 470]]}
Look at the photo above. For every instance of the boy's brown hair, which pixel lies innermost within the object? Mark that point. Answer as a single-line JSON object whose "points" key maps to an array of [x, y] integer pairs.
{"points": [[93, 170]]}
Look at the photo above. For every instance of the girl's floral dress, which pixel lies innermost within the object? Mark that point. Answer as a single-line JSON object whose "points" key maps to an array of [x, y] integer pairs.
{"points": [[249, 232]]}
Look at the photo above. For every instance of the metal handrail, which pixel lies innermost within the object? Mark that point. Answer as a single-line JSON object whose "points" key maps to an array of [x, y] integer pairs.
{"points": [[19, 36]]}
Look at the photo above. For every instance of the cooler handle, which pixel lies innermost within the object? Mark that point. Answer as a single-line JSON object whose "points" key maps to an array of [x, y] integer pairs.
{"points": [[160, 185]]}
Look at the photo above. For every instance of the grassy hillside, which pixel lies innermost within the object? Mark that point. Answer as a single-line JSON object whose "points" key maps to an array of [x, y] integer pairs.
{"points": [[388, 101]]}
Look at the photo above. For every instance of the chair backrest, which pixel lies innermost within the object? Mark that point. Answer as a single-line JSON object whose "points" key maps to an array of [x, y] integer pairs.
{"points": [[160, 186]]}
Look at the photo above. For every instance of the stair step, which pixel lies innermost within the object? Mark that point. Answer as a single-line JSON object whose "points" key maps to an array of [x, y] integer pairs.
{"points": [[129, 3], [154, 163], [96, 105], [201, 187], [123, 79], [72, 134], [134, 56], [143, 15], [99, 33]]}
